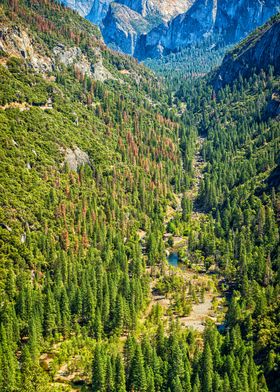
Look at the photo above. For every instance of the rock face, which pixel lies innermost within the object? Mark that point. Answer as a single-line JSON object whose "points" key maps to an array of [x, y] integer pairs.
{"points": [[259, 51], [151, 28], [17, 42], [83, 7], [94, 10], [75, 158], [164, 10], [70, 56], [122, 26], [123, 21], [221, 20], [127, 20], [98, 10]]}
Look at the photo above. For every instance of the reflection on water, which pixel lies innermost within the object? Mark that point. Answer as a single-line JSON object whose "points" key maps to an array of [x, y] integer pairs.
{"points": [[173, 259]]}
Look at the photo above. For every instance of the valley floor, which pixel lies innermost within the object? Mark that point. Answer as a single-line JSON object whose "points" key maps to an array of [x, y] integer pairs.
{"points": [[203, 300]]}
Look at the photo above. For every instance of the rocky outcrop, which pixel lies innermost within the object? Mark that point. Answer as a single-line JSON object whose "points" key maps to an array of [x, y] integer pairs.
{"points": [[259, 51], [98, 11], [72, 56], [16, 42], [221, 20], [99, 72], [122, 26], [75, 158]]}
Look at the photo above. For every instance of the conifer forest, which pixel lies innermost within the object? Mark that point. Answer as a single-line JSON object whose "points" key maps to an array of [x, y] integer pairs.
{"points": [[139, 210]]}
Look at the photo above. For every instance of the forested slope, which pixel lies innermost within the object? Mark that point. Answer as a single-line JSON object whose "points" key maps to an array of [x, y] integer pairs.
{"points": [[258, 52], [240, 191], [88, 155]]}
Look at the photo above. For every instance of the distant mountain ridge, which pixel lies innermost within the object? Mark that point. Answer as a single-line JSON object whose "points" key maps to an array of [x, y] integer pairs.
{"points": [[152, 28], [164, 10], [122, 22], [221, 20]]}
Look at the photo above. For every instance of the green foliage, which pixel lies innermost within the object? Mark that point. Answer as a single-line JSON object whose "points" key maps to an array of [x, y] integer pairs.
{"points": [[72, 264]]}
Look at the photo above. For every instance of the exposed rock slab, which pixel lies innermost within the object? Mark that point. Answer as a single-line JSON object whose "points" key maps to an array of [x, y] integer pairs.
{"points": [[75, 158], [16, 42]]}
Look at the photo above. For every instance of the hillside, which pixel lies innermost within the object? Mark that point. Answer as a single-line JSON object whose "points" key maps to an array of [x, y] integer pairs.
{"points": [[104, 172], [260, 49], [88, 155]]}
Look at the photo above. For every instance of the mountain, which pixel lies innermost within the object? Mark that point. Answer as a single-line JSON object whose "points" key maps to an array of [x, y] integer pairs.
{"points": [[127, 20], [220, 21], [122, 26], [123, 21], [152, 28], [96, 12], [257, 52], [162, 10]]}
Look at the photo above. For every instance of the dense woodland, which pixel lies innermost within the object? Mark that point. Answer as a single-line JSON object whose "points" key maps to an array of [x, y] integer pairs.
{"points": [[74, 274]]}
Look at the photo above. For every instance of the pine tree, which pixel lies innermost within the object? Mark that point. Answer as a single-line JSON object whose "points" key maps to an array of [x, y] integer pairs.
{"points": [[137, 377], [98, 370], [8, 363], [176, 385], [110, 383], [120, 375], [65, 312], [187, 387], [207, 370], [150, 380], [33, 379]]}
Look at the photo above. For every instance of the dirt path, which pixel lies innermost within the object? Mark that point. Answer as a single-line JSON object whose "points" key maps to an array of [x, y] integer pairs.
{"points": [[199, 314], [22, 106]]}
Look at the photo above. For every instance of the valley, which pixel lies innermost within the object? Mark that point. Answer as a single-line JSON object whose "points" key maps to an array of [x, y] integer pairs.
{"points": [[201, 299], [139, 209]]}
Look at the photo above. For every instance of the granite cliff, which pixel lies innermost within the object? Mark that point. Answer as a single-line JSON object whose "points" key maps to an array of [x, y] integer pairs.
{"points": [[259, 51], [220, 21], [152, 28]]}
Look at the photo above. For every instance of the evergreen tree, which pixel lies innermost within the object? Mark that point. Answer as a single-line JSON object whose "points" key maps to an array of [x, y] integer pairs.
{"points": [[120, 375], [98, 370], [137, 377], [207, 370]]}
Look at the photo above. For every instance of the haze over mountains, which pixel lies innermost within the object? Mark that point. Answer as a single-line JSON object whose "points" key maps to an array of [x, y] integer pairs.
{"points": [[152, 28]]}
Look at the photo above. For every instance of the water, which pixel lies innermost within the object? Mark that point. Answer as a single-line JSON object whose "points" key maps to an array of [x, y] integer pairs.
{"points": [[173, 259]]}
